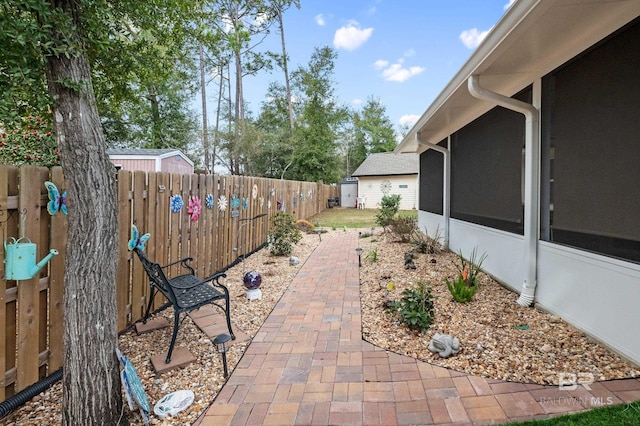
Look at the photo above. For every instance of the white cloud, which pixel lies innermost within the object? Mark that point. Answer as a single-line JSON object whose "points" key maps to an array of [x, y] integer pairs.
{"points": [[380, 63], [351, 36], [409, 53], [508, 5], [319, 18], [472, 38], [356, 102], [409, 119], [396, 72]]}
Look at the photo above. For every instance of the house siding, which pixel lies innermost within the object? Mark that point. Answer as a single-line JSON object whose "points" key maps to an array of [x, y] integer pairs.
{"points": [[371, 188], [176, 164], [582, 280]]}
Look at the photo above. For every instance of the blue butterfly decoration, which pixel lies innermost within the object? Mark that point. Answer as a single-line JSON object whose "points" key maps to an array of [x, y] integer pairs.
{"points": [[137, 241], [57, 202], [235, 202], [209, 201]]}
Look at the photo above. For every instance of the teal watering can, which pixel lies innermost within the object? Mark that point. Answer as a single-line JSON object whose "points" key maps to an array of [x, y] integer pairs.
{"points": [[20, 260]]}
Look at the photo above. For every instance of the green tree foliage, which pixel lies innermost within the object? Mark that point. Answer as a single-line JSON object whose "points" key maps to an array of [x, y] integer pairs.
{"points": [[141, 68], [389, 206], [319, 119], [372, 133]]}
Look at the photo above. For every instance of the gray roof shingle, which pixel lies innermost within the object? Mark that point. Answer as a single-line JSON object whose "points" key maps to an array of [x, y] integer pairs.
{"points": [[388, 163]]}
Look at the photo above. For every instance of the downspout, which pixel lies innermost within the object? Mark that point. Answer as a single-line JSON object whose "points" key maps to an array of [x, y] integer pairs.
{"points": [[446, 185], [532, 153]]}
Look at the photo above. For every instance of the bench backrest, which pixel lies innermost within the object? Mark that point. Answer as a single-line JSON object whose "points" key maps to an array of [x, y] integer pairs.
{"points": [[156, 275]]}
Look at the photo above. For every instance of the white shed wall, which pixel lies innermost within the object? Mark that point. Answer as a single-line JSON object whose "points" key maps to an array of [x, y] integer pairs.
{"points": [[370, 187]]}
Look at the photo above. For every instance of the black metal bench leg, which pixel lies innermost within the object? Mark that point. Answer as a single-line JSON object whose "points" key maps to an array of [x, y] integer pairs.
{"points": [[148, 310], [176, 325], [228, 315]]}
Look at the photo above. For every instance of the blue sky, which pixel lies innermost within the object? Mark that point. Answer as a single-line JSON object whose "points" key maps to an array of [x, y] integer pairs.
{"points": [[402, 52]]}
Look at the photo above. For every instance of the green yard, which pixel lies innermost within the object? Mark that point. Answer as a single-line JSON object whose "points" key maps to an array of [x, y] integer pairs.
{"points": [[339, 217]]}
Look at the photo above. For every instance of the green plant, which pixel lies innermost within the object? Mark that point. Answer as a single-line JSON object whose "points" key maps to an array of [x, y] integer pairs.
{"points": [[364, 235], [423, 243], [389, 206], [283, 235], [465, 285], [372, 256], [31, 143], [403, 227], [460, 291], [415, 307], [472, 267]]}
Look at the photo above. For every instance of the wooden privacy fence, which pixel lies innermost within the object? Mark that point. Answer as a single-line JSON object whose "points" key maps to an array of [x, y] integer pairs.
{"points": [[234, 218]]}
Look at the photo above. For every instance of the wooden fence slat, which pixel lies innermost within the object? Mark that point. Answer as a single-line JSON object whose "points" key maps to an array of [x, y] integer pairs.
{"points": [[124, 233], [59, 232], [140, 217], [4, 214], [29, 290]]}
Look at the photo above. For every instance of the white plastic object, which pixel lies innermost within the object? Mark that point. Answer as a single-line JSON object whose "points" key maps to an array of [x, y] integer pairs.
{"points": [[172, 404]]}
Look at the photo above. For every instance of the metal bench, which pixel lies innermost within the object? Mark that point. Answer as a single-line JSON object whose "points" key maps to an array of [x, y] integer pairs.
{"points": [[185, 292]]}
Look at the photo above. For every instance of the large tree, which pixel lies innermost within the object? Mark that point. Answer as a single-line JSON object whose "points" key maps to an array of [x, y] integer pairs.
{"points": [[91, 381], [319, 120], [372, 132]]}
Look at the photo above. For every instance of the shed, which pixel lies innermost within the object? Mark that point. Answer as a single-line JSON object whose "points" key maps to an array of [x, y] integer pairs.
{"points": [[151, 160], [387, 173], [348, 192]]}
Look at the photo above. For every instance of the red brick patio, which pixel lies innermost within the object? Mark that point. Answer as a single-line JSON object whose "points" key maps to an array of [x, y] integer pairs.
{"points": [[308, 365]]}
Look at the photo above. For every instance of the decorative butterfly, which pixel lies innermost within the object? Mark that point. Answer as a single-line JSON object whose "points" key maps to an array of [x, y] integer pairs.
{"points": [[137, 241], [57, 202]]}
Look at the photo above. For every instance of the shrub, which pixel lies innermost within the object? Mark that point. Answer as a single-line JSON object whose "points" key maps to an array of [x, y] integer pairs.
{"points": [[389, 206], [423, 243], [403, 227], [415, 307], [283, 234], [32, 143]]}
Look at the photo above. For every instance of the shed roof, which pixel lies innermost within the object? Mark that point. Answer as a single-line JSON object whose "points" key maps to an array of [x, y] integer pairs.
{"points": [[120, 153], [531, 39], [388, 163]]}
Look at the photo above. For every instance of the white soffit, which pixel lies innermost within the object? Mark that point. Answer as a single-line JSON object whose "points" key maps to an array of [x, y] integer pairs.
{"points": [[529, 41]]}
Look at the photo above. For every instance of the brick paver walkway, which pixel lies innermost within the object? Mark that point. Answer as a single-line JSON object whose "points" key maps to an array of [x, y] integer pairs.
{"points": [[308, 365]]}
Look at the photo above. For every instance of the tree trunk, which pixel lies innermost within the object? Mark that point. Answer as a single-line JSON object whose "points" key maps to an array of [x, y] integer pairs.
{"points": [[91, 379], [286, 70], [205, 132]]}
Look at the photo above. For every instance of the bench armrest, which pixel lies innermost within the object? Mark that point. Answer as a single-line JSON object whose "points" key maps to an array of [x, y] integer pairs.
{"points": [[183, 263], [214, 279]]}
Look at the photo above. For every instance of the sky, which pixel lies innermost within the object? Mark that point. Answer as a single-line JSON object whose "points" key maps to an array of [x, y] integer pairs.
{"points": [[401, 52]]}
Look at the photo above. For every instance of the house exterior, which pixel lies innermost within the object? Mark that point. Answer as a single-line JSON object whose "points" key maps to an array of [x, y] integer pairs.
{"points": [[151, 160], [388, 173], [531, 153]]}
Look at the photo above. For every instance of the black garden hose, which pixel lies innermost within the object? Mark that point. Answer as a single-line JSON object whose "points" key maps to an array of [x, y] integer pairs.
{"points": [[11, 403]]}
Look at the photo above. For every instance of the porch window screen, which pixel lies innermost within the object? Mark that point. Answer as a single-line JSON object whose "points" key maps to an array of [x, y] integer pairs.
{"points": [[592, 129], [486, 169], [431, 179]]}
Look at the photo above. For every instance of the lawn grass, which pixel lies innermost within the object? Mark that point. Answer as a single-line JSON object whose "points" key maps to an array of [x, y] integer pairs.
{"points": [[340, 217], [618, 415]]}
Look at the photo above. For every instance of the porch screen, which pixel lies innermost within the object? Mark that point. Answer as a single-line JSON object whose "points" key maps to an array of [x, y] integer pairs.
{"points": [[592, 129], [486, 169], [431, 179]]}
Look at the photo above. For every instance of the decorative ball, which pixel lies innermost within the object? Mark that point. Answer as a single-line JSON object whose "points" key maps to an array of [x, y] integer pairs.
{"points": [[252, 280]]}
